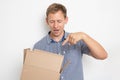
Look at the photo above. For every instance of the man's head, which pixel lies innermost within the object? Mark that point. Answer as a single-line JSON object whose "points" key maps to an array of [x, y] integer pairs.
{"points": [[55, 7], [56, 18]]}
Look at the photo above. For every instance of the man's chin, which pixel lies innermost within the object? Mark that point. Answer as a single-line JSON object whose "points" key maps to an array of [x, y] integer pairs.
{"points": [[56, 35]]}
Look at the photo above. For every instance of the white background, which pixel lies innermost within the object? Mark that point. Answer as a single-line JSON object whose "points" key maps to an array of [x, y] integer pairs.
{"points": [[22, 23]]}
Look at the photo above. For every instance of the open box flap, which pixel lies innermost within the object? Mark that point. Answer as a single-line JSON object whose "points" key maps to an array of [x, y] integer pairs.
{"points": [[43, 59]]}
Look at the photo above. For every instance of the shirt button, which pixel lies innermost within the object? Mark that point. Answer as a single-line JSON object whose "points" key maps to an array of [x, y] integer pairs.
{"points": [[62, 78], [63, 52]]}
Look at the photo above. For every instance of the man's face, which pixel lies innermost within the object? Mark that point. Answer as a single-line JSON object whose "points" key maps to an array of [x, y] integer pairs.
{"points": [[56, 23]]}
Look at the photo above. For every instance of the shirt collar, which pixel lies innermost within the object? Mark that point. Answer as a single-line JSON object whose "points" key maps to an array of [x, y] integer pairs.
{"points": [[50, 40]]}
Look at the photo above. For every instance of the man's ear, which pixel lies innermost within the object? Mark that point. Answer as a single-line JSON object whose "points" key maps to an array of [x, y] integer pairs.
{"points": [[66, 20], [46, 20]]}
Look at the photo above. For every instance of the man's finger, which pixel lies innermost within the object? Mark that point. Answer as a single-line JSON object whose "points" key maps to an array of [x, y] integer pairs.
{"points": [[65, 41]]}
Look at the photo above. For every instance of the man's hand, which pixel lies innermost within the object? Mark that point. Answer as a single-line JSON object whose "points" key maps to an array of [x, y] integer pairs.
{"points": [[96, 50], [73, 38]]}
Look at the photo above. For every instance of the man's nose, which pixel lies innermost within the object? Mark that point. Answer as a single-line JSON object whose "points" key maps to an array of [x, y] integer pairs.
{"points": [[55, 25]]}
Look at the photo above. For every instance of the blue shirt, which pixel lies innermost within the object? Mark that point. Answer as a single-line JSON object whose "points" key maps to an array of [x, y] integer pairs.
{"points": [[72, 53]]}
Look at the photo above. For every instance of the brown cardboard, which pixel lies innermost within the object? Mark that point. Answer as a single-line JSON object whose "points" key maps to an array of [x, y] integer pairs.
{"points": [[41, 65]]}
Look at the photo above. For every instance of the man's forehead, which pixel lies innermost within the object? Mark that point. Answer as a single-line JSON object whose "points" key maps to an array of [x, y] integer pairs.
{"points": [[59, 13]]}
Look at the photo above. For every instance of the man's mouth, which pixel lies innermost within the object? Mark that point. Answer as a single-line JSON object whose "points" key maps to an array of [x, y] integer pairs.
{"points": [[56, 30]]}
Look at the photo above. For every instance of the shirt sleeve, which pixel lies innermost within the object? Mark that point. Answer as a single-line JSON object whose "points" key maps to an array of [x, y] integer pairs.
{"points": [[84, 47], [38, 45]]}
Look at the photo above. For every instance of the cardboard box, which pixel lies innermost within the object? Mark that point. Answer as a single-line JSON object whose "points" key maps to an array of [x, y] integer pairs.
{"points": [[41, 65]]}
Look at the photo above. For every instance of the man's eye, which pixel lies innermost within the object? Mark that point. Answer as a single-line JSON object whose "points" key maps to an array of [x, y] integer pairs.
{"points": [[51, 21], [59, 21]]}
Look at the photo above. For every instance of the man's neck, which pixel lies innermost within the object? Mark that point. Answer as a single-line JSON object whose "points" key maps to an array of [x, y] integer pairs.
{"points": [[57, 38]]}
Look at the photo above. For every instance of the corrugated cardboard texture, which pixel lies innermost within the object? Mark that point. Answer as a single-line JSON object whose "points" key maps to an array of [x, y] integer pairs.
{"points": [[41, 65]]}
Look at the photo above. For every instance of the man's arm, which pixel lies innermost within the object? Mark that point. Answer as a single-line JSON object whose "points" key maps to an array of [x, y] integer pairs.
{"points": [[96, 50]]}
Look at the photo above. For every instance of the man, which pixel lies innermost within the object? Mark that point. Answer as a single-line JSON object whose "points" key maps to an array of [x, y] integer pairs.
{"points": [[71, 45]]}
